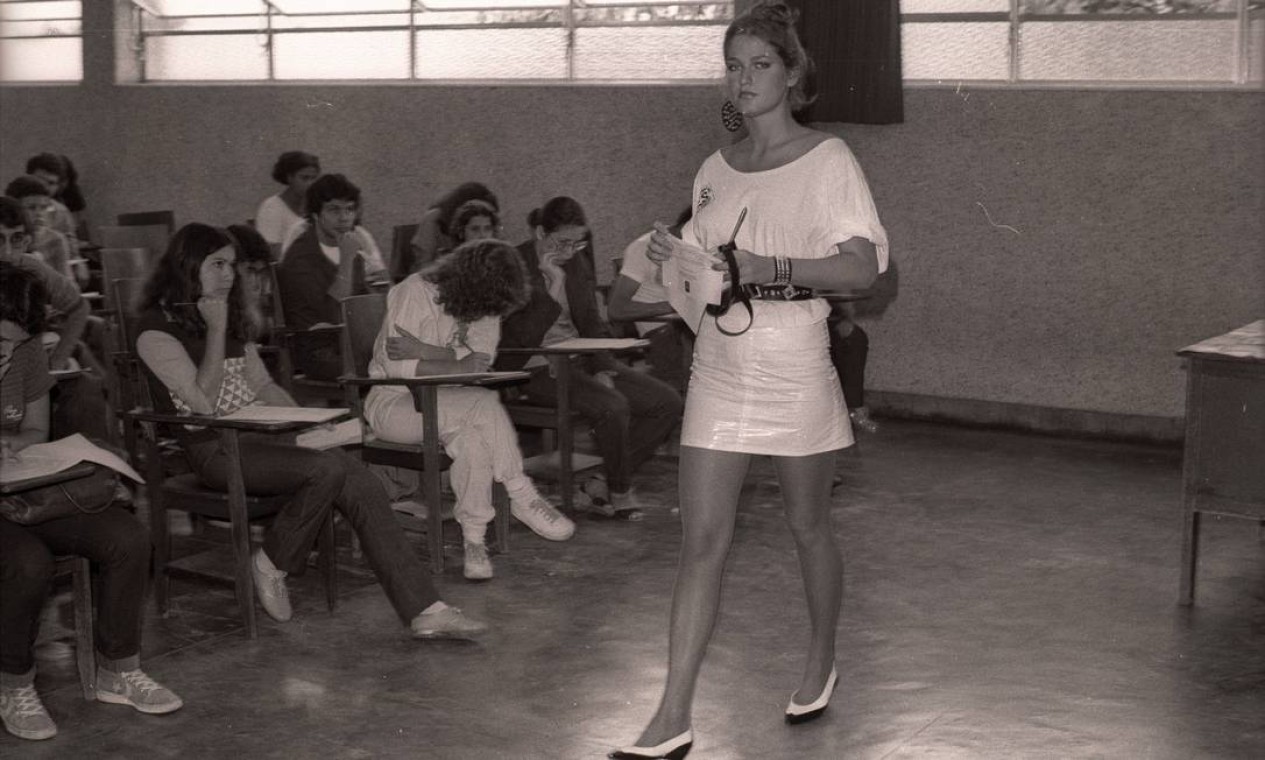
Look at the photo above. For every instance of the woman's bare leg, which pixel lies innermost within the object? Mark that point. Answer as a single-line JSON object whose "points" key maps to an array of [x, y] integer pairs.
{"points": [[805, 483], [710, 482]]}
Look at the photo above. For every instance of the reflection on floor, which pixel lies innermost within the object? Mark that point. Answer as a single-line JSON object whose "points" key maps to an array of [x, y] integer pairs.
{"points": [[1008, 596]]}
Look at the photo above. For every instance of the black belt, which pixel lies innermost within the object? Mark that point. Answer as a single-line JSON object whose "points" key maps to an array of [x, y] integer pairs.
{"points": [[778, 292]]}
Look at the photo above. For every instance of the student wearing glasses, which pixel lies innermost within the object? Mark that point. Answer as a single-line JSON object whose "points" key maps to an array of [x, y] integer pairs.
{"points": [[631, 413]]}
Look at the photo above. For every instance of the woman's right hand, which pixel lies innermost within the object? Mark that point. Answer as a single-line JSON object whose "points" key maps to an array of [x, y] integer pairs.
{"points": [[214, 312], [405, 347], [659, 249]]}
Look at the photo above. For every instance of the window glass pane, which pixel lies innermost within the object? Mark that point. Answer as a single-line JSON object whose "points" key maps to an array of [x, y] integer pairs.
{"points": [[341, 55], [492, 54], [207, 7], [205, 24], [341, 20], [1153, 7], [22, 11], [647, 52], [206, 57], [54, 28], [957, 50], [954, 6], [48, 59], [341, 6], [1128, 50], [477, 4], [646, 13], [1256, 50]]}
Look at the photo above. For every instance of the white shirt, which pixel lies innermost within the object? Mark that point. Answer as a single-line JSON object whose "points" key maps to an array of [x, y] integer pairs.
{"points": [[274, 218], [639, 268], [372, 256]]}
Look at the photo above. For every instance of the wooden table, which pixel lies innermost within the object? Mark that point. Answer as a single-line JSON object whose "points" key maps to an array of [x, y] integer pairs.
{"points": [[61, 476], [1223, 471]]}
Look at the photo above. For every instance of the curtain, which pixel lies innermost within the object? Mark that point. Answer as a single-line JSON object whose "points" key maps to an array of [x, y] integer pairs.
{"points": [[856, 47]]}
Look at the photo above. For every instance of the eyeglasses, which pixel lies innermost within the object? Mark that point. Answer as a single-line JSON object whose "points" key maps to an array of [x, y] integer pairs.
{"points": [[17, 239], [570, 246]]}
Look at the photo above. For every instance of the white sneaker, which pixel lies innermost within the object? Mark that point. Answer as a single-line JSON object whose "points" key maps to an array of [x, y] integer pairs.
{"points": [[24, 715], [270, 587], [543, 518], [446, 623], [135, 689], [478, 565]]}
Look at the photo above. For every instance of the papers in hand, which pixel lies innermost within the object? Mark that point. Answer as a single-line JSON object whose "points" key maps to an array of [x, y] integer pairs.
{"points": [[284, 414], [55, 456], [345, 433], [691, 282]]}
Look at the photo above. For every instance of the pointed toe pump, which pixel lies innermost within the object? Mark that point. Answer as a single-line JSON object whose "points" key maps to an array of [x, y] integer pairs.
{"points": [[797, 713], [675, 748]]}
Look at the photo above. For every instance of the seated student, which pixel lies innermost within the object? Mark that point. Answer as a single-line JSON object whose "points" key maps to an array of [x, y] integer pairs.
{"points": [[638, 292], [849, 351], [191, 340], [475, 220], [278, 213], [254, 256], [447, 318], [631, 412], [434, 236], [64, 298], [328, 260], [53, 171], [343, 190], [113, 539], [53, 248]]}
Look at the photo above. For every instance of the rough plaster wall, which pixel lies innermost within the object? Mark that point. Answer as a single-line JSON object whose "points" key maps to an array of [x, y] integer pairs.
{"points": [[1136, 216], [1124, 225]]}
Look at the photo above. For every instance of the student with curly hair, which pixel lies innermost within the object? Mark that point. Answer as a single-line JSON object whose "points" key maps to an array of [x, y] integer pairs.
{"points": [[192, 337], [475, 220], [435, 235], [447, 318]]}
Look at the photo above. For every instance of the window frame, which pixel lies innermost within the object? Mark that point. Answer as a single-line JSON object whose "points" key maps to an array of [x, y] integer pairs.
{"points": [[79, 36]]}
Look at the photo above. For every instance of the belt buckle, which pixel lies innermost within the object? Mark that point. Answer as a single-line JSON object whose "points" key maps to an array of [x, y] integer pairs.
{"points": [[788, 292]]}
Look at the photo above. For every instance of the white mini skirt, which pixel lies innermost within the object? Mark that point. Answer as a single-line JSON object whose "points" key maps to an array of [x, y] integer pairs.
{"points": [[771, 390]]}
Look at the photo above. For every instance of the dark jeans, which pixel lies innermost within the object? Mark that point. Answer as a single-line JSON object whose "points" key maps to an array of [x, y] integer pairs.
{"points": [[320, 481], [848, 355], [629, 421], [114, 541], [670, 354]]}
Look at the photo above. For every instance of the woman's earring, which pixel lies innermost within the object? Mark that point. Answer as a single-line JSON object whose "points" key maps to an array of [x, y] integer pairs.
{"points": [[731, 116]]}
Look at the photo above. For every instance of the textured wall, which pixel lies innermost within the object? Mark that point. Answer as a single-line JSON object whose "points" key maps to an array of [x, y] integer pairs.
{"points": [[1124, 224]]}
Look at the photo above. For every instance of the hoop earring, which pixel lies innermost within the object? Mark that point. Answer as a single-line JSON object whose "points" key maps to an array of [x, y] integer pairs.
{"points": [[730, 116]]}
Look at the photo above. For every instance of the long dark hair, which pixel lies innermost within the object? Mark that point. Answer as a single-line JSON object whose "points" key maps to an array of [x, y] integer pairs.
{"points": [[175, 285], [558, 212], [23, 299], [482, 278]]}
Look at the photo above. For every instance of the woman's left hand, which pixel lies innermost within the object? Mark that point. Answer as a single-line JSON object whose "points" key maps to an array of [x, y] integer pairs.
{"points": [[405, 347], [752, 269]]}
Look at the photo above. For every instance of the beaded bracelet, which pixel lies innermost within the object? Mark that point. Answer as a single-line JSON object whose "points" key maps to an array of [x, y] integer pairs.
{"points": [[781, 270]]}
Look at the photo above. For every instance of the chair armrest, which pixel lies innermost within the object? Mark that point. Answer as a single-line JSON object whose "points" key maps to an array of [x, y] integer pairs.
{"points": [[321, 330], [217, 423], [469, 378]]}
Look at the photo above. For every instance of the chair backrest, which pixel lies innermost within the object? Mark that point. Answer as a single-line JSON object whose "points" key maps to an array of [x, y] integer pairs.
{"points": [[143, 218], [401, 240], [152, 237], [127, 293], [362, 319], [122, 264]]}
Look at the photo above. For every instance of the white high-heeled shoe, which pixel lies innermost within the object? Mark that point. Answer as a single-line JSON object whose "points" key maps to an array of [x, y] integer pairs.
{"points": [[675, 748], [797, 713]]}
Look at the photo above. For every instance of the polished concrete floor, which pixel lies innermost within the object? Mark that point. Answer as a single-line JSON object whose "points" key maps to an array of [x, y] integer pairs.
{"points": [[1008, 596]]}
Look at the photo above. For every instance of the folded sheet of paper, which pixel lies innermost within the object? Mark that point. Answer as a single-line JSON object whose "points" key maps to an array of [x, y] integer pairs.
{"points": [[55, 456], [691, 282], [598, 344], [284, 414], [345, 433]]}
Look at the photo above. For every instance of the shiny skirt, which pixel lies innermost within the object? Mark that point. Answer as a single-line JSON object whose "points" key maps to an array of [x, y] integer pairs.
{"points": [[771, 390]]}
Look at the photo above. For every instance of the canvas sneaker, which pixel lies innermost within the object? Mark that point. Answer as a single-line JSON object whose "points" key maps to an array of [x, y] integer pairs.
{"points": [[24, 715], [270, 587], [478, 565], [134, 688], [543, 518], [446, 623]]}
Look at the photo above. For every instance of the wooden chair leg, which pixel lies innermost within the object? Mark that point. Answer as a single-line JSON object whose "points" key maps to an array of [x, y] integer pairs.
{"points": [[1190, 558], [244, 582], [501, 502], [327, 544], [85, 636], [159, 531]]}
